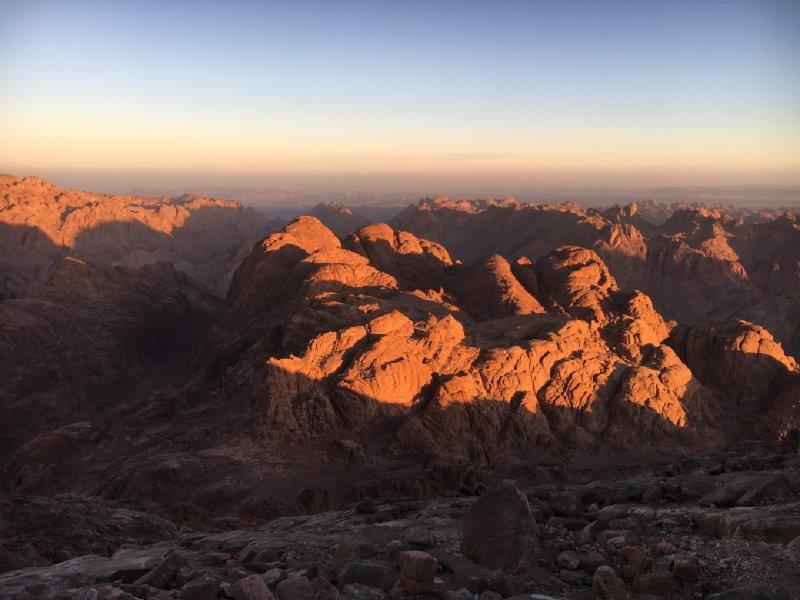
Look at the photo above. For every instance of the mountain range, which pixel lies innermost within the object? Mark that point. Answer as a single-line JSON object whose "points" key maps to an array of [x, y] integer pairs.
{"points": [[214, 368]]}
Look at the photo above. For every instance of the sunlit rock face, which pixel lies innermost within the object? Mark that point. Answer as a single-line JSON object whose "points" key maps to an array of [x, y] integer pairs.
{"points": [[471, 360], [695, 262], [40, 223]]}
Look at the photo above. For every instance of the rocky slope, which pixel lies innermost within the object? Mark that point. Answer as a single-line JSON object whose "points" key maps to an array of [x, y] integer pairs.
{"points": [[41, 223], [723, 527]]}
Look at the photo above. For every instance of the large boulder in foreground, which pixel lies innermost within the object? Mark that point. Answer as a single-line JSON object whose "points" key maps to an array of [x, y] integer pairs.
{"points": [[500, 529]]}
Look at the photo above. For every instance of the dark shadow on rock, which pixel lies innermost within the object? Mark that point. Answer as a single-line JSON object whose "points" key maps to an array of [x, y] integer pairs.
{"points": [[217, 454], [207, 246], [89, 338], [27, 256]]}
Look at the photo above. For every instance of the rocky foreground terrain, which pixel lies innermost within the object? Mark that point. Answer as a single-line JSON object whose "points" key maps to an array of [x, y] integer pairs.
{"points": [[638, 382], [725, 527]]}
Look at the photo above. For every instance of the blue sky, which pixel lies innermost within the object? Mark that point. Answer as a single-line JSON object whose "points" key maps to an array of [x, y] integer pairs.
{"points": [[695, 90]]}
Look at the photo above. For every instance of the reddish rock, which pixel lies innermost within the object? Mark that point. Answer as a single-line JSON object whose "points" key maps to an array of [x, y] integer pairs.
{"points": [[591, 561], [686, 569], [659, 583], [417, 571], [201, 590]]}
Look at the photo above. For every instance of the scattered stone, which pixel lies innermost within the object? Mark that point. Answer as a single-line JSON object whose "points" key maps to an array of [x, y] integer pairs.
{"points": [[462, 594], [608, 586], [572, 576], [420, 537], [721, 496], [657, 583], [164, 574], [591, 561], [324, 589], [775, 486], [753, 592], [354, 591], [272, 576]]}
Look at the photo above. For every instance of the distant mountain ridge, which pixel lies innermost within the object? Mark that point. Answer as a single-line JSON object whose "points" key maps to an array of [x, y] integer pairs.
{"points": [[41, 223]]}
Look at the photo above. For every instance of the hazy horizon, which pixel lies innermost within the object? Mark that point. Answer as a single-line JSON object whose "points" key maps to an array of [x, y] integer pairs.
{"points": [[415, 97], [286, 191]]}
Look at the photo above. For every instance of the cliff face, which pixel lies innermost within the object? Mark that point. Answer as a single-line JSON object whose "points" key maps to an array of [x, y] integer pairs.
{"points": [[41, 223]]}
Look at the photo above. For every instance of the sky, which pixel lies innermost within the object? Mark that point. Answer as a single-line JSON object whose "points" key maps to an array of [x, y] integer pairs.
{"points": [[401, 94]]}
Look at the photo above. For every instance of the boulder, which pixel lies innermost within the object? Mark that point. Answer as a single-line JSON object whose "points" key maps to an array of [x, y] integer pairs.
{"points": [[294, 588], [417, 571], [568, 560], [565, 504], [201, 590], [607, 585], [499, 529]]}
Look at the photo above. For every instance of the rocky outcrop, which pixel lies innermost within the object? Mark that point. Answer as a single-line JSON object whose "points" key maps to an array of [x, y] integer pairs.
{"points": [[489, 290], [416, 262], [316, 345], [695, 262], [577, 281], [41, 223], [637, 327], [459, 386], [737, 357]]}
